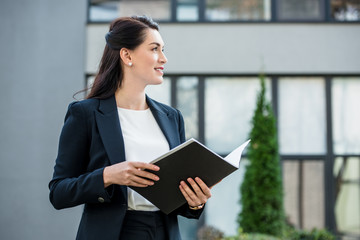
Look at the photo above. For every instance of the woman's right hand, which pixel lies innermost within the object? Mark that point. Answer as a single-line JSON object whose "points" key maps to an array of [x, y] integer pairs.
{"points": [[130, 174]]}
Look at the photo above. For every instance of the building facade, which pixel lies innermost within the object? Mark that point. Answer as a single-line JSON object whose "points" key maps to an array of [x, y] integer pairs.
{"points": [[308, 51]]}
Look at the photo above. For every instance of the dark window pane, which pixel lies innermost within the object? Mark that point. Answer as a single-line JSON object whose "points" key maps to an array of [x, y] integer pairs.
{"points": [[231, 10], [105, 10], [303, 183], [187, 103], [187, 10], [300, 10], [345, 10]]}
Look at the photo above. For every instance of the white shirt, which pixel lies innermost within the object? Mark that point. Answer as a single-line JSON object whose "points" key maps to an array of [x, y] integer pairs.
{"points": [[144, 141]]}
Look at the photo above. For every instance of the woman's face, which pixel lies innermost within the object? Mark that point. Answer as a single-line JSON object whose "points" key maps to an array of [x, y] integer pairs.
{"points": [[148, 59]]}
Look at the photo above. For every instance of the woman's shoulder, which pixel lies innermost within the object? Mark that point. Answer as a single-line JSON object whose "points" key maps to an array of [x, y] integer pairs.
{"points": [[84, 106]]}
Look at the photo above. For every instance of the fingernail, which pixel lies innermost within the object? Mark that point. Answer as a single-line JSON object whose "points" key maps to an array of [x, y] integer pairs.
{"points": [[156, 168], [157, 178]]}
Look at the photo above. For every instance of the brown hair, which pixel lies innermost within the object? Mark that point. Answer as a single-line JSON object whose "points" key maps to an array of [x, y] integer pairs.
{"points": [[125, 32]]}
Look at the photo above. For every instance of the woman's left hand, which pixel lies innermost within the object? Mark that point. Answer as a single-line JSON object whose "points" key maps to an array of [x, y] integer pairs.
{"points": [[199, 195]]}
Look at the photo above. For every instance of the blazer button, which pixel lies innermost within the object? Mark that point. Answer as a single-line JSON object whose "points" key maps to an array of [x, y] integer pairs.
{"points": [[100, 199]]}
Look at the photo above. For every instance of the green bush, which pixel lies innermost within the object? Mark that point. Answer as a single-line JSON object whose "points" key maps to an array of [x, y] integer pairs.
{"points": [[289, 233], [315, 234], [261, 190], [251, 236]]}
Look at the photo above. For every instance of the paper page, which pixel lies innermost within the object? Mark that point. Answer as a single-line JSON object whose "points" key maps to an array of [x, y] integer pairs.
{"points": [[235, 156]]}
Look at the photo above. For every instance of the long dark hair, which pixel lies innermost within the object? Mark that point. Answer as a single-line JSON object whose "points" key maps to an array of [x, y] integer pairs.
{"points": [[125, 32]]}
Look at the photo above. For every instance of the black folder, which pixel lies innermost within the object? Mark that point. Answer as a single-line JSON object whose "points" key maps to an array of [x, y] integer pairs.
{"points": [[190, 159]]}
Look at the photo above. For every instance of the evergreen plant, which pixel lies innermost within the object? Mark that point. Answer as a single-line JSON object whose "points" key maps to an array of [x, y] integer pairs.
{"points": [[261, 191]]}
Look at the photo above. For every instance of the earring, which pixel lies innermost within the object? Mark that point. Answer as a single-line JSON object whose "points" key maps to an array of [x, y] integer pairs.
{"points": [[130, 64]]}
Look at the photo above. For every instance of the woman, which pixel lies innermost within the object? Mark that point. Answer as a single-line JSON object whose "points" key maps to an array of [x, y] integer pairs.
{"points": [[108, 140]]}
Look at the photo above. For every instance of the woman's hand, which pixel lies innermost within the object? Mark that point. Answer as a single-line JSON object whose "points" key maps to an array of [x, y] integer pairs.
{"points": [[199, 196], [130, 174]]}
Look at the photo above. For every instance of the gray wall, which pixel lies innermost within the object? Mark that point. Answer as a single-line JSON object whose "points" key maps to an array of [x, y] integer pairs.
{"points": [[297, 48], [41, 66]]}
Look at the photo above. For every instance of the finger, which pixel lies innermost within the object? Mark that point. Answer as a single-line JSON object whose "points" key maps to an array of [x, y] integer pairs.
{"points": [[204, 188], [143, 165], [142, 181], [146, 174], [192, 196], [195, 187], [186, 196]]}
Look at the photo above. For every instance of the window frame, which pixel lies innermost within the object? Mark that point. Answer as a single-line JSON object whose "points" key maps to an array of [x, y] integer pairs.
{"points": [[325, 9]]}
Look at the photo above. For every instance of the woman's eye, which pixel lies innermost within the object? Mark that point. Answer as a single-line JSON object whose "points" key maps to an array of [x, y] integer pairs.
{"points": [[155, 49]]}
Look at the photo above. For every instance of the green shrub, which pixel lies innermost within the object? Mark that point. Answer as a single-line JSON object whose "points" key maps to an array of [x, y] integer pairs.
{"points": [[315, 234], [251, 236], [261, 190]]}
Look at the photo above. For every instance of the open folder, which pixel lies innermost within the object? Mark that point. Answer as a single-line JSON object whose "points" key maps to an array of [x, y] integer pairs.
{"points": [[190, 159]]}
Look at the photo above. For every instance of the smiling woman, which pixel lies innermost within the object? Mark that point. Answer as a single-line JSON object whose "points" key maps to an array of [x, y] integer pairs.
{"points": [[109, 139]]}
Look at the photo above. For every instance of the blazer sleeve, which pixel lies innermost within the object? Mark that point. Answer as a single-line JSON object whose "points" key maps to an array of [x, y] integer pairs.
{"points": [[72, 184]]}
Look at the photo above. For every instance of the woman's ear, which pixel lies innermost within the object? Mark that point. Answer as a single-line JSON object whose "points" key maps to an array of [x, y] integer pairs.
{"points": [[125, 56]]}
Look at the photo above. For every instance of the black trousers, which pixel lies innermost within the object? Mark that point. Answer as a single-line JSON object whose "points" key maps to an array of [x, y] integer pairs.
{"points": [[143, 225]]}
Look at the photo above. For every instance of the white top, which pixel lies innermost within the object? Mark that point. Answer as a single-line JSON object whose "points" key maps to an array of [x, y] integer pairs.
{"points": [[144, 141]]}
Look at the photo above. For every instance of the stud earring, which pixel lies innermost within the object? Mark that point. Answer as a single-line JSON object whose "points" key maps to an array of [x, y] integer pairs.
{"points": [[130, 64]]}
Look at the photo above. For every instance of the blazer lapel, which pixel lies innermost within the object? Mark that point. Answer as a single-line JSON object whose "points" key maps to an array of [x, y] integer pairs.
{"points": [[166, 122], [108, 123]]}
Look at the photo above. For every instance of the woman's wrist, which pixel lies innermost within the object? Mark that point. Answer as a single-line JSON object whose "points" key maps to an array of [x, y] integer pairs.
{"points": [[107, 177], [197, 207]]}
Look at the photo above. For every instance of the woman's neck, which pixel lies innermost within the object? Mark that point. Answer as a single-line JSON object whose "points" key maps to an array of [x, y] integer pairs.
{"points": [[131, 98]]}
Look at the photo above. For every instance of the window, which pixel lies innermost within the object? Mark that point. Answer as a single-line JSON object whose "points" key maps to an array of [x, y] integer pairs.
{"points": [[303, 182], [106, 10], [229, 106], [226, 10], [300, 10], [232, 10], [346, 115], [187, 103], [347, 208], [187, 10], [302, 116], [345, 10]]}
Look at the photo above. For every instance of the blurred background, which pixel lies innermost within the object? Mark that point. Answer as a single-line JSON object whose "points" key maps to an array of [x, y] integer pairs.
{"points": [[308, 50]]}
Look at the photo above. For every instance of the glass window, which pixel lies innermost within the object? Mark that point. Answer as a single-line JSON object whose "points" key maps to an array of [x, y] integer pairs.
{"points": [[187, 10], [303, 182], [347, 172], [300, 10], [345, 10], [229, 107], [301, 121], [232, 10], [187, 103], [103, 11], [107, 10], [223, 207], [313, 194], [157, 9], [291, 184], [346, 115], [160, 93]]}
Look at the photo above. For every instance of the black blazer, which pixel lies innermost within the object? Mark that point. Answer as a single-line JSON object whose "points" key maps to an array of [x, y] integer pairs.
{"points": [[91, 139]]}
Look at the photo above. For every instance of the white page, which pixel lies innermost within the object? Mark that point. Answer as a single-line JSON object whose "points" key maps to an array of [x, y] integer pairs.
{"points": [[234, 157]]}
